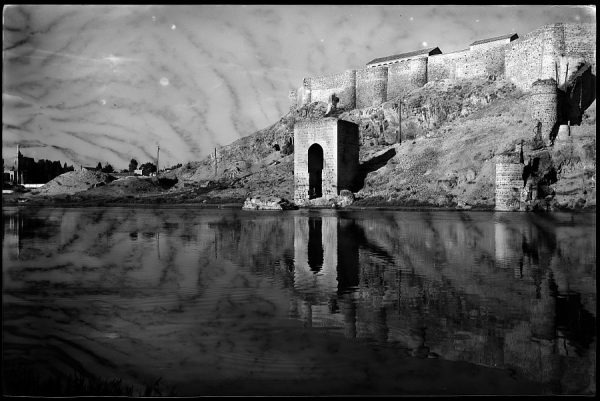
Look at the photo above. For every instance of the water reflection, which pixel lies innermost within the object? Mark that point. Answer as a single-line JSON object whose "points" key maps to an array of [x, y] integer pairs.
{"points": [[496, 294], [173, 290]]}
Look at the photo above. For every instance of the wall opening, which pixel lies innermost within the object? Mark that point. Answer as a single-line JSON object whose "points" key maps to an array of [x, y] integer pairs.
{"points": [[315, 171]]}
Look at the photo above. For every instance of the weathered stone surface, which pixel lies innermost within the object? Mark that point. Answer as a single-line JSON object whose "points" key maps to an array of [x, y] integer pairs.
{"points": [[267, 203], [346, 198], [338, 141]]}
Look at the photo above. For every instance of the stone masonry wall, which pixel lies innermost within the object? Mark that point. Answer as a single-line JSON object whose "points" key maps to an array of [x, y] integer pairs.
{"points": [[509, 183], [537, 54], [371, 87], [523, 58], [543, 105], [580, 41], [443, 66], [343, 85], [348, 154], [540, 54], [293, 97], [482, 62], [406, 75], [306, 133]]}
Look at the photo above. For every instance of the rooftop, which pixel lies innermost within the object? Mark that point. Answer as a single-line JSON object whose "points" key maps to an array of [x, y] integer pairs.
{"points": [[429, 51], [510, 35]]}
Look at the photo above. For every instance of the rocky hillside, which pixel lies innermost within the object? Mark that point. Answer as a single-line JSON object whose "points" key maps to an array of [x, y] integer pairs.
{"points": [[443, 155], [458, 129], [435, 147]]}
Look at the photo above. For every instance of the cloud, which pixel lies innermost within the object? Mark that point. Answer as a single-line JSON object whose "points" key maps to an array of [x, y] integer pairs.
{"points": [[228, 68]]}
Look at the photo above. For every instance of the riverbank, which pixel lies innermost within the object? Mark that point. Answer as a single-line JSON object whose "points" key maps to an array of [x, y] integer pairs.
{"points": [[225, 203]]}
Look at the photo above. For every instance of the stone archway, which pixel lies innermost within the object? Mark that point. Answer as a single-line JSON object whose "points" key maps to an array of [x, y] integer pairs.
{"points": [[315, 171]]}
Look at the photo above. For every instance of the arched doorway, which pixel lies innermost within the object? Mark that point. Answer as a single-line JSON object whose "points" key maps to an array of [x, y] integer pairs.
{"points": [[315, 171]]}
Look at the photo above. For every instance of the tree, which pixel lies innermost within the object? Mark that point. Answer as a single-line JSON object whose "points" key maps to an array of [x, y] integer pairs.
{"points": [[99, 166], [148, 168], [108, 168], [133, 165]]}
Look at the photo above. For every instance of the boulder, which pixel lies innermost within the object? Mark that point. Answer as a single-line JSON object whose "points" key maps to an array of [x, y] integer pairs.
{"points": [[267, 203], [345, 198]]}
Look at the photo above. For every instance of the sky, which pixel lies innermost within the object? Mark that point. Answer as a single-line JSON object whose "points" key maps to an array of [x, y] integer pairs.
{"points": [[85, 84]]}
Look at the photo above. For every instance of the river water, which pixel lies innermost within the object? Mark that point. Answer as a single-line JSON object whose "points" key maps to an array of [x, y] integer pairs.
{"points": [[225, 302]]}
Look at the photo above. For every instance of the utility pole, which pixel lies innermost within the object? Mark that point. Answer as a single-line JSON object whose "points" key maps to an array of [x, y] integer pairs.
{"points": [[399, 137], [215, 162], [157, 154], [18, 152]]}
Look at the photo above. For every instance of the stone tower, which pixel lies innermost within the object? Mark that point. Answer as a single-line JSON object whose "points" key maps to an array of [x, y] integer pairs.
{"points": [[544, 108], [325, 158], [509, 183]]}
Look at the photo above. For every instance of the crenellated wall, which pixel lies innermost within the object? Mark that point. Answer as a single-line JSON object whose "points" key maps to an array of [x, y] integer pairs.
{"points": [[371, 86]]}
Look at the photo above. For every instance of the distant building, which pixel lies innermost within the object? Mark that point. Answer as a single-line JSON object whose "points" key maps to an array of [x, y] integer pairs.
{"points": [[138, 172]]}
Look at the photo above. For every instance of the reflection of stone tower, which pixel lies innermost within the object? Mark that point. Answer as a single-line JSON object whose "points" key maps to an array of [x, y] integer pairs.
{"points": [[544, 109], [508, 245], [315, 274], [509, 183]]}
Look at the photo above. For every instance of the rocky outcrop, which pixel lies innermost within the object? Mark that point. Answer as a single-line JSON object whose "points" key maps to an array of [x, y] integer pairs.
{"points": [[345, 198], [451, 132], [267, 203]]}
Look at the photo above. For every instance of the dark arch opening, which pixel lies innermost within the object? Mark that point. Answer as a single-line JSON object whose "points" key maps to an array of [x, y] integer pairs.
{"points": [[315, 171]]}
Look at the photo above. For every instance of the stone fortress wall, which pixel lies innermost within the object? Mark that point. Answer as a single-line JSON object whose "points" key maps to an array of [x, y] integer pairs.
{"points": [[343, 85], [541, 63], [371, 87], [537, 55]]}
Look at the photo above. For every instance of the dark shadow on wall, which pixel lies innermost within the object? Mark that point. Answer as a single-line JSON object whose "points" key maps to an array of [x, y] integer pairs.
{"points": [[371, 165], [579, 94]]}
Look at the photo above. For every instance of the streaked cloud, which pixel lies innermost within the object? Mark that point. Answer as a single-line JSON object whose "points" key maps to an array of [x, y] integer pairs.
{"points": [[106, 83]]}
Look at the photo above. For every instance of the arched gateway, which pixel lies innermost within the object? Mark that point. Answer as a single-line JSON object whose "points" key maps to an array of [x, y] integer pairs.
{"points": [[315, 171], [325, 158]]}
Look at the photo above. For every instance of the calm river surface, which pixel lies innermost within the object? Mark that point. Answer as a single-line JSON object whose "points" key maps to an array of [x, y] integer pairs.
{"points": [[224, 302]]}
